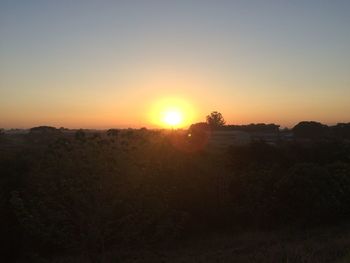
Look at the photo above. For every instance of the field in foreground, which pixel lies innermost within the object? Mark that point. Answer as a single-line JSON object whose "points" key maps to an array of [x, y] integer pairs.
{"points": [[149, 196], [321, 245]]}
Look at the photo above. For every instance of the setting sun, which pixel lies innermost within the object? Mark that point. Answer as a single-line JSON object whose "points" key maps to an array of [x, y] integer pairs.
{"points": [[173, 118], [172, 113]]}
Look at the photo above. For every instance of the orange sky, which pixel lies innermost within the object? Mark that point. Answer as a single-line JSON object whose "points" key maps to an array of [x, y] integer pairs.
{"points": [[95, 65]]}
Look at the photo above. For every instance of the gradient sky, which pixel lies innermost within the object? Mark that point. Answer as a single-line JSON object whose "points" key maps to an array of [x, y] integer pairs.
{"points": [[103, 64]]}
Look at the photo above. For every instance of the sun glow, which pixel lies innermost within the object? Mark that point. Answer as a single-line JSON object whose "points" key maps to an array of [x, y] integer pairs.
{"points": [[173, 117], [172, 113]]}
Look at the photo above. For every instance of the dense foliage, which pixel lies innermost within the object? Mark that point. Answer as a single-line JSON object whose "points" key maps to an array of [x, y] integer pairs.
{"points": [[87, 193]]}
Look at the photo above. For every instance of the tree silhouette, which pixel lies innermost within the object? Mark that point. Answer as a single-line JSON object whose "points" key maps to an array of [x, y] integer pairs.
{"points": [[113, 132], [341, 130], [310, 130], [80, 135], [215, 120], [199, 127], [2, 134]]}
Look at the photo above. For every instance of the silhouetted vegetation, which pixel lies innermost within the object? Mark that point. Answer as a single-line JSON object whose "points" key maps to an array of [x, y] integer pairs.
{"points": [[310, 130], [259, 127], [88, 193], [113, 133], [215, 120], [342, 131]]}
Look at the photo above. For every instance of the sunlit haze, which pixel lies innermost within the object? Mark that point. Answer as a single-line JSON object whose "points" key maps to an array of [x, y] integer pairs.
{"points": [[102, 64]]}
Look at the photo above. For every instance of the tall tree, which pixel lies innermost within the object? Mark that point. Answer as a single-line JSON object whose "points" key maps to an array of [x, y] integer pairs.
{"points": [[215, 120]]}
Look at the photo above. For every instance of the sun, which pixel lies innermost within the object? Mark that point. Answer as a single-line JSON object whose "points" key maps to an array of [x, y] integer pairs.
{"points": [[173, 117], [171, 113]]}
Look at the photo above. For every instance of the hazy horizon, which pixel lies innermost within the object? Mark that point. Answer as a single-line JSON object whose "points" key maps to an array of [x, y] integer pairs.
{"points": [[155, 127], [101, 64]]}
